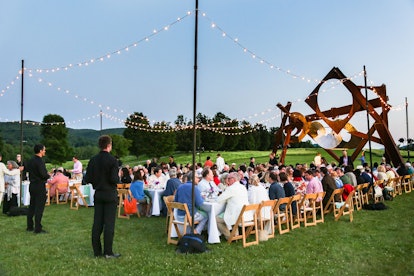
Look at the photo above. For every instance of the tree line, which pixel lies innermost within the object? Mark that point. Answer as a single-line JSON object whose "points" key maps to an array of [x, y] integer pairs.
{"points": [[219, 133]]}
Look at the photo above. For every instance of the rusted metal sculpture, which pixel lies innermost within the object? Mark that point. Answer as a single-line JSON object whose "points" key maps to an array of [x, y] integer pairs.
{"points": [[295, 126]]}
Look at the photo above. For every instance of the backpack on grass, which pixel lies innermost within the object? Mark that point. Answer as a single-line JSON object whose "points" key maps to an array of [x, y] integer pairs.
{"points": [[191, 243]]}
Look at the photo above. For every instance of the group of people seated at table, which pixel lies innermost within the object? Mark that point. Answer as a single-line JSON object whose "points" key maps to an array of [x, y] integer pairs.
{"points": [[270, 182], [238, 186]]}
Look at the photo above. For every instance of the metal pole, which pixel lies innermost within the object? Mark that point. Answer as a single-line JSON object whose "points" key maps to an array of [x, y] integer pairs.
{"points": [[21, 131], [406, 121], [194, 114], [100, 115], [369, 135]]}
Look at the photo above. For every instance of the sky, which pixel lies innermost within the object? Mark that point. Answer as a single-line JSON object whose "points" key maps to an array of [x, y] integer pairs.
{"points": [[129, 56]]}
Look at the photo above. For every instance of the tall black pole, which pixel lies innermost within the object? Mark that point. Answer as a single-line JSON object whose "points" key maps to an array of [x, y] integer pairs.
{"points": [[21, 130], [100, 116], [368, 126], [406, 121], [194, 113]]}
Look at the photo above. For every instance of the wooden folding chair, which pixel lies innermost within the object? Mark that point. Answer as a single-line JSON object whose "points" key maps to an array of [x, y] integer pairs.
{"points": [[398, 188], [295, 219], [358, 197], [181, 227], [64, 196], [406, 183], [378, 197], [76, 197], [308, 209], [412, 181], [330, 205], [122, 195], [167, 200], [266, 217], [346, 209], [120, 185], [282, 216], [247, 220], [364, 196], [319, 207]]}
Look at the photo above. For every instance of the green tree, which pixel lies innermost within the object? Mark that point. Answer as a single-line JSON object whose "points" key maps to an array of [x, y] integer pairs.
{"points": [[120, 145], [161, 140], [137, 131], [247, 141], [184, 134], [232, 139], [55, 138], [262, 137]]}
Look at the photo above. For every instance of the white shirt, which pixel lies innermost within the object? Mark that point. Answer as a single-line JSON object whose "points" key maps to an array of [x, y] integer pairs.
{"points": [[220, 163], [235, 197], [153, 179], [205, 187], [257, 194], [3, 171]]}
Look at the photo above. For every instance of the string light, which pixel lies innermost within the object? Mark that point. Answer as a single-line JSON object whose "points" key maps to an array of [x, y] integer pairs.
{"points": [[261, 60], [210, 126], [10, 85], [111, 53]]}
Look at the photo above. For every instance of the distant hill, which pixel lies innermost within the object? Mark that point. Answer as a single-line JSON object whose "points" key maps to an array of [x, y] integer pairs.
{"points": [[10, 132]]}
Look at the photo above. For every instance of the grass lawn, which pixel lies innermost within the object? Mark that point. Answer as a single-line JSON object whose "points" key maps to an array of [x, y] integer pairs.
{"points": [[375, 243], [293, 156]]}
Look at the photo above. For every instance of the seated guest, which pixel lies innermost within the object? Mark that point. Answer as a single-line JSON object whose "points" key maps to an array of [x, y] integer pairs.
{"points": [[288, 188], [381, 175], [244, 180], [402, 170], [329, 185], [206, 186], [314, 184], [298, 182], [124, 176], [216, 177], [157, 180], [235, 196], [137, 190], [170, 188], [276, 190], [338, 182], [59, 177], [344, 178], [184, 195], [351, 175], [256, 192], [12, 187]]}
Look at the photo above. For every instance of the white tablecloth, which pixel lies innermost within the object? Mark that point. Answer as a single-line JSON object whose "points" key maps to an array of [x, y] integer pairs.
{"points": [[212, 209], [25, 193], [156, 200]]}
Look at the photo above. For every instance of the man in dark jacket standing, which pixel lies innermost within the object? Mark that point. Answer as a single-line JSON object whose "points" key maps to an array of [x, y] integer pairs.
{"points": [[102, 173], [38, 176]]}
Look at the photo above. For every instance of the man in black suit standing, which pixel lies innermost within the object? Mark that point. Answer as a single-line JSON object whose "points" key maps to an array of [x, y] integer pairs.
{"points": [[102, 172], [38, 176]]}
